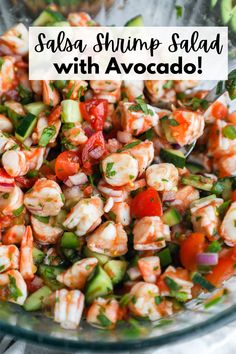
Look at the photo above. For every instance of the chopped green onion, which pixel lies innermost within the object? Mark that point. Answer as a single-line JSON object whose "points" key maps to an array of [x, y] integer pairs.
{"points": [[47, 134], [229, 132]]}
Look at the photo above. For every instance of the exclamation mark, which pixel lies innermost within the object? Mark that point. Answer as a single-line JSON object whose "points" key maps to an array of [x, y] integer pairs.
{"points": [[199, 65]]}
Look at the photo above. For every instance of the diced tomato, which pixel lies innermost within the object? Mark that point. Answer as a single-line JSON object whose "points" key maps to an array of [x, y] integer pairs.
{"points": [[219, 110], [94, 148], [67, 164], [34, 284], [189, 248], [232, 118], [95, 112], [146, 203], [234, 196], [48, 172], [54, 115], [25, 182], [88, 191], [224, 269]]}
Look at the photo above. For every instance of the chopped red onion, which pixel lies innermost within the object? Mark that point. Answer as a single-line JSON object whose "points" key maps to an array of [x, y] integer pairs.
{"points": [[6, 187], [207, 259]]}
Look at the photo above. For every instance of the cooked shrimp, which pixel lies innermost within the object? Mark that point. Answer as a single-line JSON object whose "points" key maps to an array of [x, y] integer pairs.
{"points": [[99, 86], [74, 135], [76, 276], [183, 85], [7, 74], [143, 153], [9, 202], [13, 234], [120, 213], [180, 277], [103, 307], [150, 268], [9, 258], [145, 304], [136, 121], [110, 96], [42, 125], [134, 274], [45, 198], [160, 90], [6, 125], [51, 96], [37, 86], [219, 145], [69, 307], [16, 39], [113, 145], [72, 196], [34, 157], [133, 89], [14, 162], [6, 143], [27, 267], [227, 165], [109, 239], [16, 107], [204, 216], [184, 197], [85, 216], [189, 127], [75, 88], [162, 177], [119, 169], [150, 234], [118, 194], [228, 226], [45, 230], [217, 110], [13, 287], [80, 19]]}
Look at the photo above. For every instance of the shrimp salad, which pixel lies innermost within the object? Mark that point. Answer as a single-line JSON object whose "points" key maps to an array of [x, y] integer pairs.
{"points": [[104, 214]]}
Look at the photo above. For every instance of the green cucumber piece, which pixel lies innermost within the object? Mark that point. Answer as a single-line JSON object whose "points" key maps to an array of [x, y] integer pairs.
{"points": [[171, 217], [165, 123], [99, 285], [70, 111], [116, 270], [38, 256], [49, 275], [175, 157], [198, 181], [194, 167], [35, 301], [70, 240], [165, 257], [60, 24], [203, 200], [61, 217], [25, 127], [12, 113], [233, 20], [102, 258], [47, 17], [137, 21], [198, 279], [35, 107]]}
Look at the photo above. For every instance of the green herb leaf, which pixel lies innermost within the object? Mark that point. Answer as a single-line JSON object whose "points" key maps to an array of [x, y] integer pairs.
{"points": [[179, 11], [214, 247], [130, 145], [104, 320], [171, 284], [1, 63], [109, 173], [168, 84], [43, 219], [69, 93], [141, 106], [219, 88], [229, 132], [47, 135], [18, 211], [158, 300], [13, 291], [25, 95]]}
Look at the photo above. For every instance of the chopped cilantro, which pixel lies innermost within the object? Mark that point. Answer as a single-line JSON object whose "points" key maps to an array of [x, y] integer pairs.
{"points": [[47, 134], [18, 211], [179, 11], [109, 173]]}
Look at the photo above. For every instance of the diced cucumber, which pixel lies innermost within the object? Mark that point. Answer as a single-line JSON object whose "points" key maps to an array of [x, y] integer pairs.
{"points": [[60, 218], [223, 187], [194, 167], [38, 256], [116, 270], [60, 24], [49, 275], [165, 257], [198, 181], [175, 157], [14, 114], [102, 258], [47, 17], [171, 217], [99, 285], [203, 200], [34, 301], [137, 21], [70, 111], [35, 107], [198, 279], [25, 127], [70, 240], [165, 123]]}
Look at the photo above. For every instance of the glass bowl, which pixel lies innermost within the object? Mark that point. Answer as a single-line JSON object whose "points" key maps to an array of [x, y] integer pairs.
{"points": [[197, 316]]}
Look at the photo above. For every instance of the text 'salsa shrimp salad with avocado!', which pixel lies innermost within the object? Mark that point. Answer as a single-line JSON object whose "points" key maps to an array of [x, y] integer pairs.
{"points": [[102, 215]]}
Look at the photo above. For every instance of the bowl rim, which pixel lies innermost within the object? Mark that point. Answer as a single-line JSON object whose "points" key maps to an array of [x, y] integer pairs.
{"points": [[199, 329]]}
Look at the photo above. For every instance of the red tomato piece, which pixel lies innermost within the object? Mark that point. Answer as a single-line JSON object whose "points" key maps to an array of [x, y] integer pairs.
{"points": [[67, 164], [25, 182], [219, 110], [189, 249], [95, 112], [94, 148], [146, 203], [234, 196]]}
